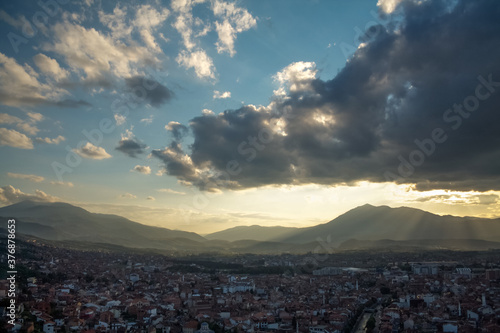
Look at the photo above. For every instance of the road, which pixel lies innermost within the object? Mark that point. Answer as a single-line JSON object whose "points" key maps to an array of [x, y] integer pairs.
{"points": [[360, 327]]}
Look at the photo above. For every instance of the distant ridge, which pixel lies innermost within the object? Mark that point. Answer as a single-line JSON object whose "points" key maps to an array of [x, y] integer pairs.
{"points": [[62, 221], [253, 232], [365, 227], [369, 222]]}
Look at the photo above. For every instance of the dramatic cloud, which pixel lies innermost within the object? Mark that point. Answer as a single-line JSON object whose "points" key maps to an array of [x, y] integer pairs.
{"points": [[31, 178], [92, 152], [130, 145], [10, 195], [296, 77], [177, 129], [417, 104], [465, 198], [147, 90], [388, 6], [14, 139], [145, 170]]}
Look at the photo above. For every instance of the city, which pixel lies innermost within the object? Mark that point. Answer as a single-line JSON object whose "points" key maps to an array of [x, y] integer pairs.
{"points": [[65, 290]]}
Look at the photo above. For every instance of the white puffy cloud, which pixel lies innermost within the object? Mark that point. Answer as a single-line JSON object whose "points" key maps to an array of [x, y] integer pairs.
{"points": [[144, 169], [296, 77], [50, 67], [230, 20], [161, 172], [11, 195], [218, 94], [16, 23], [388, 6], [147, 20], [61, 183], [147, 121], [92, 152], [170, 191], [31, 178], [127, 196], [185, 23], [234, 20], [14, 139], [9, 119], [50, 141], [19, 85], [171, 125], [26, 126], [35, 117], [116, 22], [96, 54], [120, 119], [198, 60]]}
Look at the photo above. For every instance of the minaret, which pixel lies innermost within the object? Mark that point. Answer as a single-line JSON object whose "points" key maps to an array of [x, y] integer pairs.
{"points": [[459, 309], [484, 300], [357, 287], [297, 326]]}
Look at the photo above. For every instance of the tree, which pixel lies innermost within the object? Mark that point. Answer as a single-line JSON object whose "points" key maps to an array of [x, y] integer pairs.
{"points": [[385, 290], [370, 324]]}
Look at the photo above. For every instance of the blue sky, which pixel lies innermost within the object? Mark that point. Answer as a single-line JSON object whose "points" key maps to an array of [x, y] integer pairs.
{"points": [[157, 83]]}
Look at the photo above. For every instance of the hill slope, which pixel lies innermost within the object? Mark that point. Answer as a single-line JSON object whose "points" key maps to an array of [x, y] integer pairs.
{"points": [[62, 221], [376, 223], [363, 227], [253, 232]]}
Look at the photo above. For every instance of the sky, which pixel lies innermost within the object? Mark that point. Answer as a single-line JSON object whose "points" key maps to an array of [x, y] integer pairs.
{"points": [[202, 115]]}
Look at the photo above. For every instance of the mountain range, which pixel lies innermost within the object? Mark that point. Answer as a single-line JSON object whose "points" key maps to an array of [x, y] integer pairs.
{"points": [[363, 227]]}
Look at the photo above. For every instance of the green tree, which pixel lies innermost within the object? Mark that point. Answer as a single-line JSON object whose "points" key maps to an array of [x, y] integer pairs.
{"points": [[370, 324]]}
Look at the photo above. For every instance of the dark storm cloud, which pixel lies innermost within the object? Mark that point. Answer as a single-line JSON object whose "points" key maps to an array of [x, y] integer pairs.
{"points": [[148, 90], [395, 112], [178, 130], [131, 146]]}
